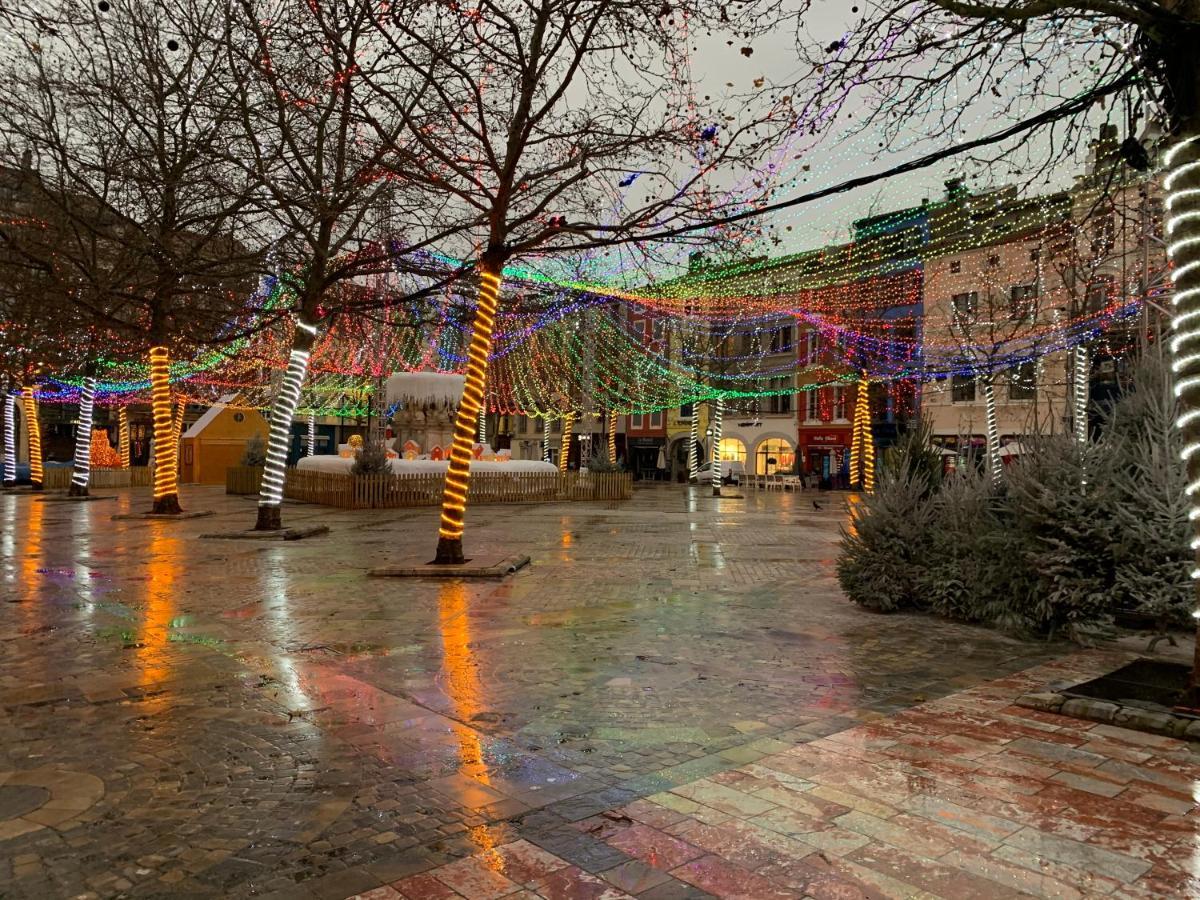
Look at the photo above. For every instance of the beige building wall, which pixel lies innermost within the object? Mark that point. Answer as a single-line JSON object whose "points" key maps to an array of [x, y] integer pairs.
{"points": [[1035, 400]]}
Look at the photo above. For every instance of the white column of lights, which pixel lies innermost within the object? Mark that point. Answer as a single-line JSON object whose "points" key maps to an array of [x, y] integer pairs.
{"points": [[718, 414], [312, 434], [483, 422], [10, 439], [1182, 185], [271, 492], [546, 439], [694, 443], [993, 432], [83, 438]]}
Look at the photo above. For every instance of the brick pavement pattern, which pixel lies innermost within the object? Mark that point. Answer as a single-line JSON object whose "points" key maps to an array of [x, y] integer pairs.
{"points": [[674, 700]]}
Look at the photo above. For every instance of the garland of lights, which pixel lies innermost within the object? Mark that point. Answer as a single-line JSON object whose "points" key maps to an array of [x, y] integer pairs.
{"points": [[36, 470], [83, 439], [10, 440], [454, 497]]}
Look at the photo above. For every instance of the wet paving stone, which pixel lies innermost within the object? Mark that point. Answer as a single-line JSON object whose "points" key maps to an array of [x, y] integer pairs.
{"points": [[230, 719]]}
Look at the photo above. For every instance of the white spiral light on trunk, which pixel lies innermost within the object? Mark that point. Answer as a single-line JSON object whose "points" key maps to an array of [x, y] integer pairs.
{"points": [[718, 414], [312, 434], [694, 445], [83, 436], [993, 433], [271, 492], [10, 439], [546, 439]]}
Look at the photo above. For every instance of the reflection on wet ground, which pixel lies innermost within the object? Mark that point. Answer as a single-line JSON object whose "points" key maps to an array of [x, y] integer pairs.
{"points": [[674, 699]]}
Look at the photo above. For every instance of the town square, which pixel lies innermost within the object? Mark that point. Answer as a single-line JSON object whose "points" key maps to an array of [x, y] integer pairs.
{"points": [[574, 450]]}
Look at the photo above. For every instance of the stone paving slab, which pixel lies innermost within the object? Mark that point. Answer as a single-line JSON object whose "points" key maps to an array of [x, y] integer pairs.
{"points": [[265, 719]]}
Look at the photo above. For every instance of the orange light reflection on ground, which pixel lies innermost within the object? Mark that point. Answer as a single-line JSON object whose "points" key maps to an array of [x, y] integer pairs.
{"points": [[151, 647], [465, 690]]}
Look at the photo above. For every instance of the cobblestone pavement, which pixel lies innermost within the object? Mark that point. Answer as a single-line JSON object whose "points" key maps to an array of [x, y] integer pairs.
{"points": [[674, 700]]}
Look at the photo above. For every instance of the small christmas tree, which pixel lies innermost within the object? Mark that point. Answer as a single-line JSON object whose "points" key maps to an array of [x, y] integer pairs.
{"points": [[371, 460], [104, 455]]}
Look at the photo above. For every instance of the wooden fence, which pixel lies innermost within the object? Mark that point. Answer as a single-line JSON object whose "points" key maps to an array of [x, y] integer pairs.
{"points": [[58, 478], [243, 479], [396, 491]]}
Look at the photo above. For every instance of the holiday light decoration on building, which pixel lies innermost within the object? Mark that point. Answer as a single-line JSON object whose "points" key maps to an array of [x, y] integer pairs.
{"points": [[166, 454], [33, 426], [10, 440], [83, 440], [123, 442], [454, 497], [564, 450]]}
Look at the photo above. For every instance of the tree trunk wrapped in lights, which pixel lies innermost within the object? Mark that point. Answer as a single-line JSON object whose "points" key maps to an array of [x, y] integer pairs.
{"points": [[454, 498], [1182, 231], [612, 438], [82, 470], [862, 440], [123, 446], [177, 424], [270, 495], [36, 471], [717, 415], [10, 440], [312, 434], [483, 422], [564, 450], [995, 467], [694, 444], [166, 454]]}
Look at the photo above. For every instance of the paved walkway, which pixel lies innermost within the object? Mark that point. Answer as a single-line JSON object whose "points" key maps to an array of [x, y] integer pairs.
{"points": [[674, 700]]}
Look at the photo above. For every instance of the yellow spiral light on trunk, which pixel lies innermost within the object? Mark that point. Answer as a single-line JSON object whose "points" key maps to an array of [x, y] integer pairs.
{"points": [[454, 500], [36, 473], [166, 457]]}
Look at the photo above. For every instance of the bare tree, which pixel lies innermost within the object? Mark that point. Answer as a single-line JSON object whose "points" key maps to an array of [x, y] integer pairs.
{"points": [[940, 62], [559, 124], [146, 223]]}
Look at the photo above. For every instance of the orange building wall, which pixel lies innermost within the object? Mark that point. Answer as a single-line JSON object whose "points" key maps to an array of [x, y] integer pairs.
{"points": [[204, 458]]}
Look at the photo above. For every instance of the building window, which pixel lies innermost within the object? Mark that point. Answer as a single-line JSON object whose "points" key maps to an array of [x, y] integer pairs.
{"points": [[962, 388], [656, 419], [687, 410], [732, 450], [994, 260], [1022, 301], [1022, 382], [839, 404], [812, 350], [780, 403], [964, 306], [1098, 294], [555, 426], [774, 455], [810, 406], [1035, 254], [955, 267], [781, 339]]}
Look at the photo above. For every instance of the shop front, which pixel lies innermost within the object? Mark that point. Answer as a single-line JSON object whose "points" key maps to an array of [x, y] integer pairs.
{"points": [[646, 457], [826, 454]]}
